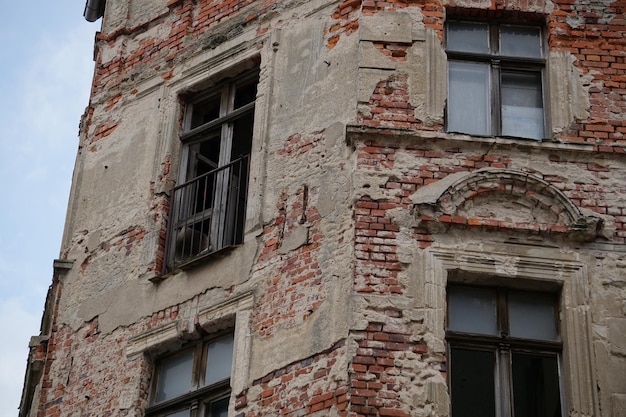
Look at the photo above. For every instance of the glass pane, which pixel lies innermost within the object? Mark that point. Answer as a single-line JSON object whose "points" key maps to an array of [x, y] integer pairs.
{"points": [[472, 375], [520, 41], [472, 310], [204, 156], [219, 408], [205, 111], [245, 93], [174, 376], [219, 360], [522, 105], [182, 413], [242, 136], [469, 104], [468, 37], [532, 315], [536, 386]]}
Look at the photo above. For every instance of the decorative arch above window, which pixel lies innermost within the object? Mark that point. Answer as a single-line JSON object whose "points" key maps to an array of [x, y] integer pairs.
{"points": [[493, 197]]}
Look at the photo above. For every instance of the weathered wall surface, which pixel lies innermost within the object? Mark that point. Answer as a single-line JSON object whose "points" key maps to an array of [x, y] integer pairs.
{"points": [[360, 208]]}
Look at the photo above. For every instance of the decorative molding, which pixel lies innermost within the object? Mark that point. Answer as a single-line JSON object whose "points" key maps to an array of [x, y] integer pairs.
{"points": [[442, 200], [62, 265], [239, 310], [176, 331], [521, 265], [209, 316], [153, 338]]}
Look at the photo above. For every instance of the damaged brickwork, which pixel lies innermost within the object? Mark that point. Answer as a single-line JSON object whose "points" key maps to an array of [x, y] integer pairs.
{"points": [[361, 209]]}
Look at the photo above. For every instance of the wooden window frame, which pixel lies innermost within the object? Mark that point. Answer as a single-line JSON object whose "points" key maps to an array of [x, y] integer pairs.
{"points": [[200, 397], [229, 176], [499, 64], [505, 346]]}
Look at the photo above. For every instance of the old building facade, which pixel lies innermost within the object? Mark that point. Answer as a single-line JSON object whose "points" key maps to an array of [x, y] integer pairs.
{"points": [[344, 208]]}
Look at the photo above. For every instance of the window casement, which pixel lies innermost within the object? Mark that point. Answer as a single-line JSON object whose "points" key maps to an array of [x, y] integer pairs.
{"points": [[495, 79], [193, 382], [209, 204], [504, 352]]}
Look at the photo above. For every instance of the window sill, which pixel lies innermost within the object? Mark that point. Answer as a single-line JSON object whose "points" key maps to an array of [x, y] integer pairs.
{"points": [[359, 133], [191, 263]]}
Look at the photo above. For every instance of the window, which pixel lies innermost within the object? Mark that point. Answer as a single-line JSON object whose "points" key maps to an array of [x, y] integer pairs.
{"points": [[194, 382], [209, 205], [504, 350], [495, 79]]}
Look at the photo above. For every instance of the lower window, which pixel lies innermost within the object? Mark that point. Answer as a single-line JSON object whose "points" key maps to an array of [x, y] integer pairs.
{"points": [[504, 351], [194, 382]]}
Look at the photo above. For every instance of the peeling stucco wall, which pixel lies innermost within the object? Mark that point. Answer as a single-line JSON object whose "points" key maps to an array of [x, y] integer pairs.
{"points": [[360, 208]]}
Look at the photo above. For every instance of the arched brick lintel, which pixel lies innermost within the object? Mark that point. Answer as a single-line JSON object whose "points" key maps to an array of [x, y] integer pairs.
{"points": [[443, 202]]}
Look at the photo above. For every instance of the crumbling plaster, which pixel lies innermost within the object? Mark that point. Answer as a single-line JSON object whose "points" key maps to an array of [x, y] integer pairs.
{"points": [[105, 291], [134, 300], [298, 72], [567, 87], [307, 73]]}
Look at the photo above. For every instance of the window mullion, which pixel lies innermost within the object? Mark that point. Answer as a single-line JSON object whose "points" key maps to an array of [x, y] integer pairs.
{"points": [[197, 363], [544, 101], [503, 314], [504, 382], [227, 107], [202, 364], [193, 411], [496, 116], [494, 49]]}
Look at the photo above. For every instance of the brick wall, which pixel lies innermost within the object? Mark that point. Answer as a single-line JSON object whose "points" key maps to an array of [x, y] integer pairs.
{"points": [[384, 360]]}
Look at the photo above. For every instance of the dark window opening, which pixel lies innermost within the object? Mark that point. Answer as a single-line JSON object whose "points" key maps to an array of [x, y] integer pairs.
{"points": [[195, 381], [504, 350], [208, 210]]}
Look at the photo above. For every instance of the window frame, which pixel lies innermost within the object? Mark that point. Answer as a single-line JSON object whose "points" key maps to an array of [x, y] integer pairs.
{"points": [[225, 229], [503, 345], [200, 397], [499, 64], [523, 266]]}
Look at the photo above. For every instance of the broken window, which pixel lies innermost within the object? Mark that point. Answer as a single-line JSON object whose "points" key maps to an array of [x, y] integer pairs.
{"points": [[209, 205], [504, 350], [195, 381], [495, 79]]}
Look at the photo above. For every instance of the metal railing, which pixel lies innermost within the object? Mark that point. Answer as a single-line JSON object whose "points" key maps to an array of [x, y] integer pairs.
{"points": [[208, 213]]}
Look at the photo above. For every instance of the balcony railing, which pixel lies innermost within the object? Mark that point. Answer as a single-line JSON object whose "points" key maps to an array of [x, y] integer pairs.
{"points": [[208, 214]]}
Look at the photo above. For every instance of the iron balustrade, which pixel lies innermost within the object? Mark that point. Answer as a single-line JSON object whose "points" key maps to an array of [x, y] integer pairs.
{"points": [[208, 213]]}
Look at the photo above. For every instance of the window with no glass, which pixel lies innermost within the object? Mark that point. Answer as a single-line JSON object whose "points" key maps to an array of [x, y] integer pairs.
{"points": [[209, 204], [194, 382], [504, 350], [495, 79]]}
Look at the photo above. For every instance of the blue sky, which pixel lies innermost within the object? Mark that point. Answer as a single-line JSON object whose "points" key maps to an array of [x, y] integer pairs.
{"points": [[46, 50]]}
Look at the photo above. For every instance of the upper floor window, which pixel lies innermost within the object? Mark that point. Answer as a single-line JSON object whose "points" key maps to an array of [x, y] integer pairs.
{"points": [[504, 352], [194, 382], [495, 79], [208, 207]]}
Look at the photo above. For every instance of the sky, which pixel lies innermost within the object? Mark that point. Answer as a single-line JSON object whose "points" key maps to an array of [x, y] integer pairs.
{"points": [[46, 66]]}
